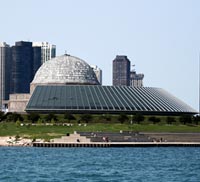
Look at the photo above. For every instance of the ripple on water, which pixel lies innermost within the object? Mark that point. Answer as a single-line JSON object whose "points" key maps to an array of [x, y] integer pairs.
{"points": [[99, 164]]}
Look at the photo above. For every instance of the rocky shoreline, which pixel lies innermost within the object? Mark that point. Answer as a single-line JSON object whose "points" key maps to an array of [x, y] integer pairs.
{"points": [[13, 141]]}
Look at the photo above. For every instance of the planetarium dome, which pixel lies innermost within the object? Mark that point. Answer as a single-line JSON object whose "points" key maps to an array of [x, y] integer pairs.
{"points": [[65, 69]]}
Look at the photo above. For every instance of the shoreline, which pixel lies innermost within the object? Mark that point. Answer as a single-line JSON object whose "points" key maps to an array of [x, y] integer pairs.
{"points": [[9, 141], [12, 142]]}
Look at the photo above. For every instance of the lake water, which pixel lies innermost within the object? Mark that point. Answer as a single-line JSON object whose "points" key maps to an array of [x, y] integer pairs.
{"points": [[99, 164]]}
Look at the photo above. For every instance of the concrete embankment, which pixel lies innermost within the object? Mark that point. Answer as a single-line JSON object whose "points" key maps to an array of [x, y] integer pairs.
{"points": [[118, 144]]}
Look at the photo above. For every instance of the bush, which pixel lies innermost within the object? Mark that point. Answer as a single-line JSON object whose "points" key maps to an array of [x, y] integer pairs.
{"points": [[14, 117], [69, 116], [185, 119], [2, 116], [138, 118], [154, 119], [33, 117], [50, 117], [170, 120], [18, 123], [86, 117], [196, 119], [105, 117], [122, 118]]}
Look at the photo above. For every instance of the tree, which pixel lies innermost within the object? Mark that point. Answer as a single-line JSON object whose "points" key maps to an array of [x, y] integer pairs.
{"points": [[14, 117], [105, 117], [185, 119], [69, 116], [196, 119], [138, 118], [2, 116], [122, 118], [154, 119], [86, 117], [33, 117], [170, 120], [50, 116]]}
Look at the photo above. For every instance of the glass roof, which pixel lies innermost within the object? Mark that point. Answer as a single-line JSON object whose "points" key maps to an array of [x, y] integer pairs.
{"points": [[105, 99]]}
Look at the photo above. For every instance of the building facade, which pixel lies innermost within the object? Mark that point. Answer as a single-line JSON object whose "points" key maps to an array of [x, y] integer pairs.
{"points": [[98, 73], [5, 62], [25, 61], [48, 51], [136, 80], [121, 71]]}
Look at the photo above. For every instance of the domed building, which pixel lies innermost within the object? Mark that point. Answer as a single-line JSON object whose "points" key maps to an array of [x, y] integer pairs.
{"points": [[65, 69], [68, 84], [61, 70]]}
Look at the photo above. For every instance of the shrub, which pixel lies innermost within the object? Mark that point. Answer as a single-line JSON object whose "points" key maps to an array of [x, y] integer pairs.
{"points": [[86, 117], [50, 116], [33, 117], [14, 117], [196, 119], [122, 118], [69, 116], [154, 119], [138, 118], [185, 119], [2, 115], [170, 120], [105, 117]]}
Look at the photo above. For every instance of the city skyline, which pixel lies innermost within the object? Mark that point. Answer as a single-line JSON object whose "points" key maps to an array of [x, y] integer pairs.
{"points": [[160, 37]]}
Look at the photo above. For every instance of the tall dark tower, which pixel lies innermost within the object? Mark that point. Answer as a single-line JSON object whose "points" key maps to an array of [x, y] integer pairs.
{"points": [[25, 61], [121, 71], [37, 61], [5, 62]]}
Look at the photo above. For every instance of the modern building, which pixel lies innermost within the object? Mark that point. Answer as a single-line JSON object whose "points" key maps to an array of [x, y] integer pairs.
{"points": [[121, 71], [48, 50], [37, 52], [25, 61], [136, 80], [68, 84], [98, 73], [5, 62]]}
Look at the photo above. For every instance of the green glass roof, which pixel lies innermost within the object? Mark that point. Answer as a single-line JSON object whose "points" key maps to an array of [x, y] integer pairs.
{"points": [[105, 99]]}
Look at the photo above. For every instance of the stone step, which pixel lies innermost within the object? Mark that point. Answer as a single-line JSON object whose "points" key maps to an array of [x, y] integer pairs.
{"points": [[71, 138]]}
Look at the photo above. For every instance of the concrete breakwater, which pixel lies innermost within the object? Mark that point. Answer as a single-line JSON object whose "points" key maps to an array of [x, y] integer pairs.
{"points": [[123, 139], [110, 139], [119, 144]]}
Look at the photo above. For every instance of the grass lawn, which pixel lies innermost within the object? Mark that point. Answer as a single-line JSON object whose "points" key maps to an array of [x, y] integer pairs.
{"points": [[48, 131]]}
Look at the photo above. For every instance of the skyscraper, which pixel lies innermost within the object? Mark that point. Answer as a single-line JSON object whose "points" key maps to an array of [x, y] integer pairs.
{"points": [[48, 50], [136, 80], [98, 73], [36, 59], [5, 62], [121, 71], [25, 61]]}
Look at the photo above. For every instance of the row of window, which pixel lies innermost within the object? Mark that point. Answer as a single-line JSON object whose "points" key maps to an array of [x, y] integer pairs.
{"points": [[108, 98]]}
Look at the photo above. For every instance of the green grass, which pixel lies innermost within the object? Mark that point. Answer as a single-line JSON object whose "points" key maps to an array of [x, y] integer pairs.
{"points": [[47, 132]]}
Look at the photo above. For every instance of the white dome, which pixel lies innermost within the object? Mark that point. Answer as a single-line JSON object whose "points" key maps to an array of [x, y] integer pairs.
{"points": [[65, 69]]}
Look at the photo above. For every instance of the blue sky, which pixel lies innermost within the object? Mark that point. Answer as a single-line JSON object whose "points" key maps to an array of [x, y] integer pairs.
{"points": [[161, 37]]}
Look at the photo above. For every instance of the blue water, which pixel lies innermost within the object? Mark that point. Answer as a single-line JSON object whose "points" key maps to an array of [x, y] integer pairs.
{"points": [[99, 164]]}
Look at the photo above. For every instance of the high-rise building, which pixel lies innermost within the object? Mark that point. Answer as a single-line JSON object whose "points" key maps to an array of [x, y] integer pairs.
{"points": [[136, 80], [121, 71], [5, 62], [98, 73], [48, 50], [36, 59], [25, 61]]}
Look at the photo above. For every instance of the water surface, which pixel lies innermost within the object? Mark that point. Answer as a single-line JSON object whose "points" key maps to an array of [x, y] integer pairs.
{"points": [[99, 164]]}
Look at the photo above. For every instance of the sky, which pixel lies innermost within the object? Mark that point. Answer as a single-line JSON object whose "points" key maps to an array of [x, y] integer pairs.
{"points": [[160, 37]]}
